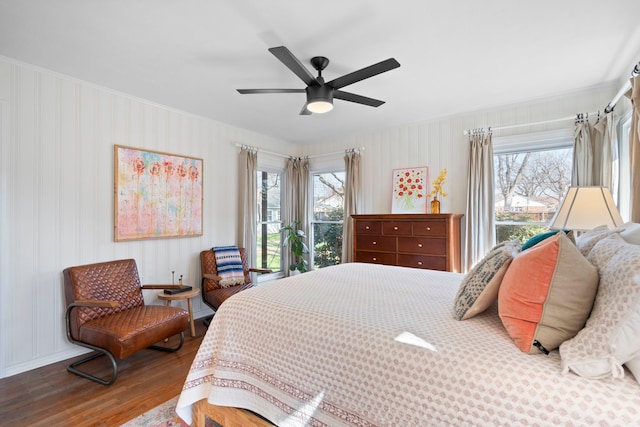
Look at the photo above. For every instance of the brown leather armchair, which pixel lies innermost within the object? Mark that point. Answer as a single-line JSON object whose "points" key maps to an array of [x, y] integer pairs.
{"points": [[106, 313], [212, 293]]}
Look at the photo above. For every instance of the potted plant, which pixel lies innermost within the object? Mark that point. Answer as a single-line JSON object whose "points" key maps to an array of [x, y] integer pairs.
{"points": [[294, 239]]}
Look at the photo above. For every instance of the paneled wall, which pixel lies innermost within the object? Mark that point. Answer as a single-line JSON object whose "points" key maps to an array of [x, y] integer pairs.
{"points": [[56, 194], [441, 144], [57, 198]]}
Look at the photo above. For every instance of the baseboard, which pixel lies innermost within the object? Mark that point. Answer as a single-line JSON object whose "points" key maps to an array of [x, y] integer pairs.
{"points": [[68, 354], [44, 361]]}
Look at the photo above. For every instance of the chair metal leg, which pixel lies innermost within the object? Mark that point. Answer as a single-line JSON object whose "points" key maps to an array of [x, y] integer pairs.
{"points": [[169, 349], [98, 353]]}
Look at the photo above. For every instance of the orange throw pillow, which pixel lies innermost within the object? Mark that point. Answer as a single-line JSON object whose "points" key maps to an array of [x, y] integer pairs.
{"points": [[547, 294]]}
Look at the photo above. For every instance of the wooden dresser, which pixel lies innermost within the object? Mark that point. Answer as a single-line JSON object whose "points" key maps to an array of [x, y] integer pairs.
{"points": [[430, 241]]}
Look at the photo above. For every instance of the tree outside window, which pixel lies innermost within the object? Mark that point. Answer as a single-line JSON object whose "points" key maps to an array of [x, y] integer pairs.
{"points": [[268, 241], [529, 187], [328, 217]]}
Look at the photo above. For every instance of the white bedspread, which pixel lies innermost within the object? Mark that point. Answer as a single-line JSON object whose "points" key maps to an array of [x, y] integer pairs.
{"points": [[373, 345]]}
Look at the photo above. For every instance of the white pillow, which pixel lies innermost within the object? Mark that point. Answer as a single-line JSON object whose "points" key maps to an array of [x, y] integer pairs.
{"points": [[631, 232], [634, 366], [611, 336]]}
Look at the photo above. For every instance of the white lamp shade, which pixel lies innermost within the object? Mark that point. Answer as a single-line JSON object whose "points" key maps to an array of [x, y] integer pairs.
{"points": [[584, 208]]}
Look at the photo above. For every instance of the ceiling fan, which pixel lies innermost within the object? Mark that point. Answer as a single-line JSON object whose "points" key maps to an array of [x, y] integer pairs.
{"points": [[320, 95]]}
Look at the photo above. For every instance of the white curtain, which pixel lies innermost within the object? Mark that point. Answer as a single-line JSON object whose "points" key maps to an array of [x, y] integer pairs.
{"points": [[634, 148], [479, 216], [351, 191], [296, 199], [605, 153], [248, 188], [595, 153], [582, 171]]}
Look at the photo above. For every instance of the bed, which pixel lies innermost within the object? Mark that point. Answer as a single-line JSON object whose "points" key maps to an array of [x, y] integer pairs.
{"points": [[374, 345]]}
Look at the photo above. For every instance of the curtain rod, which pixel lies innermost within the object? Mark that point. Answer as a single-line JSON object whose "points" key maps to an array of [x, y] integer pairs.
{"points": [[612, 104], [544, 122], [308, 157]]}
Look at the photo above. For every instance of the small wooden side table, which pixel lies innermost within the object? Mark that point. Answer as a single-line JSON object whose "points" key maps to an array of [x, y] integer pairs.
{"points": [[182, 296]]}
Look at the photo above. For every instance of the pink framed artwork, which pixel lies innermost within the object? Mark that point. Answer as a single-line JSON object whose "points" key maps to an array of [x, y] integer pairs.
{"points": [[156, 195], [410, 190]]}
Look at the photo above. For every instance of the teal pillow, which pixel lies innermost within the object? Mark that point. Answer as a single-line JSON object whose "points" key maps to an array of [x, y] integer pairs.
{"points": [[540, 237]]}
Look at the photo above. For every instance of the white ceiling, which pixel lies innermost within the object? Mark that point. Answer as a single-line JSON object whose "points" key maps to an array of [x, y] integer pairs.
{"points": [[456, 56]]}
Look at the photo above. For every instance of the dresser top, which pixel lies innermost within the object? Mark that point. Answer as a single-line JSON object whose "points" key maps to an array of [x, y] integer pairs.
{"points": [[408, 216]]}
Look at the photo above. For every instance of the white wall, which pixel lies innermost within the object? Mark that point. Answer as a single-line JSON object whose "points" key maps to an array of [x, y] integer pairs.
{"points": [[441, 144], [57, 198], [56, 194]]}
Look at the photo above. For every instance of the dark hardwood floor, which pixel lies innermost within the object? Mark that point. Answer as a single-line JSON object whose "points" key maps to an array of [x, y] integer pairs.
{"points": [[51, 396]]}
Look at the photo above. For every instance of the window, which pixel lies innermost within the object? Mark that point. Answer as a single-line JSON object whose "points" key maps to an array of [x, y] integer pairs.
{"points": [[269, 220], [328, 215], [623, 167], [529, 186]]}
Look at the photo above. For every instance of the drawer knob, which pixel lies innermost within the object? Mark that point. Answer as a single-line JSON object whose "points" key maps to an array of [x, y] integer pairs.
{"points": [[367, 227], [374, 242], [395, 227], [428, 228], [419, 262], [419, 245], [375, 259]]}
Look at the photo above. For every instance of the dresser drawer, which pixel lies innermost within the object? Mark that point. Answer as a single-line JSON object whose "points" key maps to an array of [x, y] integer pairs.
{"points": [[430, 228], [423, 261], [396, 228], [422, 245], [376, 257], [368, 227], [430, 241], [376, 243]]}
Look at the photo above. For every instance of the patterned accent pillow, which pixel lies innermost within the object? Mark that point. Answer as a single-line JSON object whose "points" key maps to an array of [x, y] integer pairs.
{"points": [[611, 336], [479, 289], [547, 294], [587, 240]]}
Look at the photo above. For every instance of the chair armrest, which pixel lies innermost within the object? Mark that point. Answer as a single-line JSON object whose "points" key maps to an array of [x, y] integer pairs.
{"points": [[146, 287], [95, 303], [214, 277], [260, 270]]}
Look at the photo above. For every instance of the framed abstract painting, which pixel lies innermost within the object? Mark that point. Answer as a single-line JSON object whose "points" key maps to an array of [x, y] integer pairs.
{"points": [[156, 195], [410, 190]]}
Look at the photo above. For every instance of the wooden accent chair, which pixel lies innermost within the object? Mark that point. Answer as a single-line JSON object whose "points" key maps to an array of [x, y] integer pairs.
{"points": [[212, 293], [106, 313]]}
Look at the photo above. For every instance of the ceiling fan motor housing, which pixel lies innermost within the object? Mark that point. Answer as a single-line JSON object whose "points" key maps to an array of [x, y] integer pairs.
{"points": [[322, 93]]}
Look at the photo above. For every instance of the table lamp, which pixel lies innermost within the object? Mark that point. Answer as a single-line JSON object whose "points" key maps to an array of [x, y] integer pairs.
{"points": [[585, 208]]}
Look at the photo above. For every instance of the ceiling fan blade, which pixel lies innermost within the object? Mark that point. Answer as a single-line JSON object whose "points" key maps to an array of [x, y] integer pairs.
{"points": [[251, 91], [304, 111], [358, 99], [287, 58], [364, 73]]}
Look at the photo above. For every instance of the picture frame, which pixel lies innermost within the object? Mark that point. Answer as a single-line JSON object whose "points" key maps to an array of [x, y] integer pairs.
{"points": [[409, 190], [156, 195]]}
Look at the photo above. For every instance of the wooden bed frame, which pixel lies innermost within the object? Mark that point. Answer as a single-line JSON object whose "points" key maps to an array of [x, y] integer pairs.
{"points": [[225, 416]]}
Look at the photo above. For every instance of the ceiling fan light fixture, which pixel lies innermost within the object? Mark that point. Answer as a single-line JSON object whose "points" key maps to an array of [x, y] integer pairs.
{"points": [[319, 99], [320, 107]]}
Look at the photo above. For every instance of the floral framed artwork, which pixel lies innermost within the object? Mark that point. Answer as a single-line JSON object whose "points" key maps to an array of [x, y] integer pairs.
{"points": [[156, 195], [410, 190]]}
